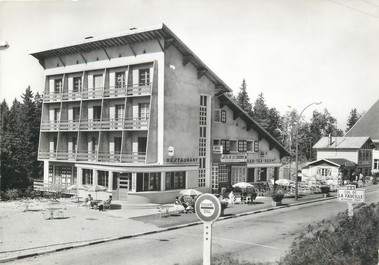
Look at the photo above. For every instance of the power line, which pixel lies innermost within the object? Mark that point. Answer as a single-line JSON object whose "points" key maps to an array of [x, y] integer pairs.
{"points": [[370, 3], [352, 8]]}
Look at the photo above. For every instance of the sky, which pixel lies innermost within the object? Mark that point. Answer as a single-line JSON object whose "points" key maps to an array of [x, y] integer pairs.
{"points": [[295, 52]]}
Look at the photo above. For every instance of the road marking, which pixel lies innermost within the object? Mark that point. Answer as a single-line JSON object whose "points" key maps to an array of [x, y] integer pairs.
{"points": [[244, 242], [236, 241]]}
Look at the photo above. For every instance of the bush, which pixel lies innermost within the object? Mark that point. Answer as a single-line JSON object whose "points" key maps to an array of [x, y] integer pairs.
{"points": [[343, 240], [12, 194], [277, 197], [325, 189]]}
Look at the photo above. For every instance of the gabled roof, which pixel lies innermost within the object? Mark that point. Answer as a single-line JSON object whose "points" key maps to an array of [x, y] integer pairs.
{"points": [[135, 35], [332, 161], [368, 124], [341, 142], [226, 100]]}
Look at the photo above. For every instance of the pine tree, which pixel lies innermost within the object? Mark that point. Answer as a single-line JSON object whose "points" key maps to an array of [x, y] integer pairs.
{"points": [[243, 99], [354, 116], [260, 111]]}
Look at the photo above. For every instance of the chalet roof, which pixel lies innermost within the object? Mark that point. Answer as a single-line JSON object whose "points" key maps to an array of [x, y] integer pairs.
{"points": [[332, 161], [341, 142], [226, 100], [135, 35], [368, 124]]}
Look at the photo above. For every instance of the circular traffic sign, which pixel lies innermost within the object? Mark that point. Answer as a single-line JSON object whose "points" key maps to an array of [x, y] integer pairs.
{"points": [[208, 208]]}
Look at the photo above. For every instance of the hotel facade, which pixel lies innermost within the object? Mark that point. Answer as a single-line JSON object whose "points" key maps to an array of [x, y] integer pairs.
{"points": [[140, 114]]}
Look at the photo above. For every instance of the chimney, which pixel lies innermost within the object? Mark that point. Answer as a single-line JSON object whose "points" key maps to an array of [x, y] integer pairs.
{"points": [[330, 140]]}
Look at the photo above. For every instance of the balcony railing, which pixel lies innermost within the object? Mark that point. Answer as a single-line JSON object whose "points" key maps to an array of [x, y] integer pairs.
{"points": [[93, 156], [129, 123], [100, 92]]}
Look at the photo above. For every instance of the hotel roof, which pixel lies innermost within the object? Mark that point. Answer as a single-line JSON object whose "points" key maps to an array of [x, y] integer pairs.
{"points": [[368, 124], [134, 35]]}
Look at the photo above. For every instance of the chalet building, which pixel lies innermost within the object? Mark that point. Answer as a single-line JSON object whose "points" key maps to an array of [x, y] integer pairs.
{"points": [[141, 115], [368, 125], [357, 151]]}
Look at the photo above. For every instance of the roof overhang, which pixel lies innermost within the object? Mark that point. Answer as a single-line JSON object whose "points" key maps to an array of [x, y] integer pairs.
{"points": [[136, 35]]}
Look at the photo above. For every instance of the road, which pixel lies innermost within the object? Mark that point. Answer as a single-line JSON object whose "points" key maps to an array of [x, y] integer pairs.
{"points": [[260, 237]]}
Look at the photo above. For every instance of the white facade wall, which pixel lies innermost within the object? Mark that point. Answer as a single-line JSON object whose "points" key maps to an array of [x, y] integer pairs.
{"points": [[349, 155]]}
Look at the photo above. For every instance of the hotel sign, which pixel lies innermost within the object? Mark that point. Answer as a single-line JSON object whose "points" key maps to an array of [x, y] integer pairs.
{"points": [[233, 158]]}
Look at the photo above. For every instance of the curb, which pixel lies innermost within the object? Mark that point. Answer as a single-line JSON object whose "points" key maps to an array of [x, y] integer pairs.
{"points": [[160, 230]]}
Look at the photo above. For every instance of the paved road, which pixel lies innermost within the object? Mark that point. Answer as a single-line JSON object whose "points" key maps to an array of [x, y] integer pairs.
{"points": [[260, 237]]}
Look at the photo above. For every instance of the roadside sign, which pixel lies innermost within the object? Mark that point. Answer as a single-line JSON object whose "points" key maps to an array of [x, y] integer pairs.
{"points": [[351, 195], [208, 209]]}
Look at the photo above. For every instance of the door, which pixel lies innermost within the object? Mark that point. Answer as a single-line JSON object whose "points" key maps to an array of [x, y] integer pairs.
{"points": [[123, 186], [250, 174]]}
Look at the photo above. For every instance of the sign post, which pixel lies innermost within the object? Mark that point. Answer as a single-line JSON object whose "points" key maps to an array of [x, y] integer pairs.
{"points": [[351, 195], [208, 210]]}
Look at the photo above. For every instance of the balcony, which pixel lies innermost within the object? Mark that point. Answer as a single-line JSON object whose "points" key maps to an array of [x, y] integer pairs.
{"points": [[113, 157], [88, 125], [99, 93]]}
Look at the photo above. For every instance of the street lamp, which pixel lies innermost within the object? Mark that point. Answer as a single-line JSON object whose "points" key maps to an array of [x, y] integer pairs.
{"points": [[297, 148]]}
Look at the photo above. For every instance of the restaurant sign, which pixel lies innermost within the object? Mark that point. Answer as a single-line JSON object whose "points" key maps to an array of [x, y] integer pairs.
{"points": [[181, 160], [261, 160], [233, 158]]}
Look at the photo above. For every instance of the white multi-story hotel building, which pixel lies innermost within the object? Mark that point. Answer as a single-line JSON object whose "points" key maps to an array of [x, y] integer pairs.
{"points": [[142, 115]]}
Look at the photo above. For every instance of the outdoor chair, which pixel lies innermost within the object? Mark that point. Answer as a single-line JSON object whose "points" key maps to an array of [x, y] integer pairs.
{"points": [[107, 205], [162, 212]]}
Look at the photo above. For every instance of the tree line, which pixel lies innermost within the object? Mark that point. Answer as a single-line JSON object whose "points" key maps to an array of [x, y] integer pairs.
{"points": [[283, 127], [20, 126]]}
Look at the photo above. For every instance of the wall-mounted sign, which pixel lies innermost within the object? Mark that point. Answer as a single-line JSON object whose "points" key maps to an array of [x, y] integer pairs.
{"points": [[233, 158], [218, 149], [180, 160], [171, 151], [261, 160]]}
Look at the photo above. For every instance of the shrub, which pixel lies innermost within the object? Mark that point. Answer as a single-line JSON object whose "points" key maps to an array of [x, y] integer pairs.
{"points": [[277, 197], [12, 194], [342, 240], [325, 189]]}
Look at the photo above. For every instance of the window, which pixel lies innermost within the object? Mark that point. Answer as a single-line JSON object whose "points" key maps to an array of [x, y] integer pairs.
{"points": [[175, 180], [233, 145], [226, 146], [250, 146], [119, 112], [242, 146], [222, 173], [87, 178], [256, 146], [58, 84], [223, 116], [120, 80], [143, 111], [149, 181], [324, 171], [216, 142], [102, 178], [77, 84], [97, 81], [376, 164], [144, 77], [203, 131]]}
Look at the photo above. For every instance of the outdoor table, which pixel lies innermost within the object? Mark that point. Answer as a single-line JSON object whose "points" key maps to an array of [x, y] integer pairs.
{"points": [[78, 200], [27, 203], [52, 209]]}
